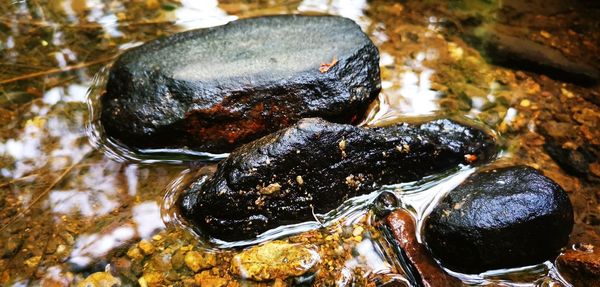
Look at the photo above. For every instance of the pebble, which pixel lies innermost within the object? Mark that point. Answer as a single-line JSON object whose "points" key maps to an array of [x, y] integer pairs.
{"points": [[100, 279], [135, 253], [274, 259], [256, 188], [146, 247], [196, 261], [205, 279], [581, 265]]}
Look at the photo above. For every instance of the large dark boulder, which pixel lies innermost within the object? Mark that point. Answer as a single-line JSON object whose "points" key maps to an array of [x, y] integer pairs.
{"points": [[313, 166], [217, 88], [502, 218]]}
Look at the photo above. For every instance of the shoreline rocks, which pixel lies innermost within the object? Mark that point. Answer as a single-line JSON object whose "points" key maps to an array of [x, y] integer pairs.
{"points": [[314, 166], [214, 89], [502, 218]]}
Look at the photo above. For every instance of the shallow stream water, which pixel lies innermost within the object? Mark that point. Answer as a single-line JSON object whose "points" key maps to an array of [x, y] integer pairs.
{"points": [[74, 203]]}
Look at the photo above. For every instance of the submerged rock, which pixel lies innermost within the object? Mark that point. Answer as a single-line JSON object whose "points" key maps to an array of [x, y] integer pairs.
{"points": [[507, 217], [313, 166], [274, 260], [518, 52], [217, 88], [573, 161], [421, 268]]}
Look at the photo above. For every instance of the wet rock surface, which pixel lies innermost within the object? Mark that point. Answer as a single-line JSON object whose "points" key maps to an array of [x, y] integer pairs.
{"points": [[502, 218], [423, 269], [581, 265], [274, 260], [313, 166], [217, 88]]}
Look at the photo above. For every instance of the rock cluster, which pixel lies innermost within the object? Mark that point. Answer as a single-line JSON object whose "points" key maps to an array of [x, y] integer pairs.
{"points": [[255, 86]]}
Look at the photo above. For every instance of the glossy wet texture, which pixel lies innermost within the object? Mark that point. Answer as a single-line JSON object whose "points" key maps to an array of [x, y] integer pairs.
{"points": [[72, 207], [314, 166], [212, 90], [500, 218]]}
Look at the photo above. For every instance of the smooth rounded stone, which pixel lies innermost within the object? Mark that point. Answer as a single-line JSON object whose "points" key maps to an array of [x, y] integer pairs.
{"points": [[502, 218], [275, 260], [214, 89], [314, 166]]}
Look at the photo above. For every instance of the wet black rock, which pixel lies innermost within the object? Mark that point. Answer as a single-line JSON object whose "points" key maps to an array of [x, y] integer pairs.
{"points": [[507, 217], [313, 166], [217, 88]]}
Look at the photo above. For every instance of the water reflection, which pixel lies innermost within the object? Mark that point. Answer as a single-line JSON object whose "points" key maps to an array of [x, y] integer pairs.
{"points": [[353, 9], [49, 136], [145, 221], [201, 14], [369, 255], [146, 216], [95, 193], [89, 247], [409, 93]]}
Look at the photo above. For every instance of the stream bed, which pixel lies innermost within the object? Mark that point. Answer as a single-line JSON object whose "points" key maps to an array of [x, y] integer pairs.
{"points": [[79, 209]]}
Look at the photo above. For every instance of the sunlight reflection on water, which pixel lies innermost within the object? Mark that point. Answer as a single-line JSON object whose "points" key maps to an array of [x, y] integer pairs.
{"points": [[201, 14]]}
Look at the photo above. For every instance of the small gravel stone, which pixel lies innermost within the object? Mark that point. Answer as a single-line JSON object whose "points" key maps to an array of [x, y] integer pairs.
{"points": [[275, 259], [146, 247], [100, 279], [205, 279], [135, 253], [197, 261]]}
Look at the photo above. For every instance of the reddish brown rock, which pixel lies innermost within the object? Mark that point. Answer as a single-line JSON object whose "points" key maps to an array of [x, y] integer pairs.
{"points": [[581, 266], [428, 272]]}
